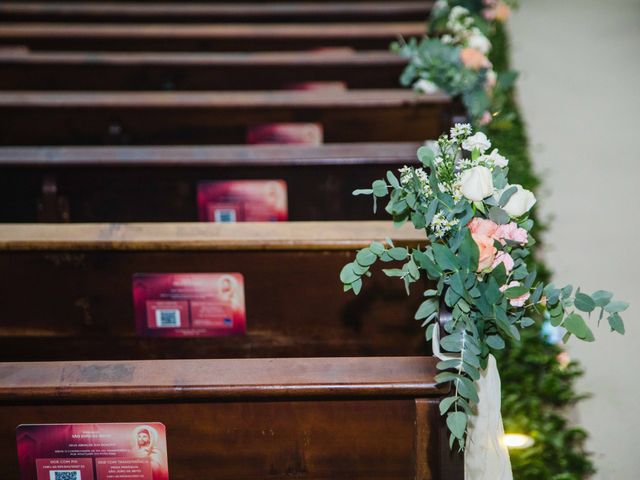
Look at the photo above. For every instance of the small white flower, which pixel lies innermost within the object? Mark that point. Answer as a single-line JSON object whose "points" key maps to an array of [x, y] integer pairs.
{"points": [[405, 175], [425, 86], [460, 131], [496, 159], [447, 39], [476, 183], [478, 41], [479, 141]]}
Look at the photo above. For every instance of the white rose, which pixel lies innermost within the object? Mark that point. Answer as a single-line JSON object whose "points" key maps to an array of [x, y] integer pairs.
{"points": [[478, 41], [425, 86], [476, 183], [520, 202], [497, 159], [479, 141]]}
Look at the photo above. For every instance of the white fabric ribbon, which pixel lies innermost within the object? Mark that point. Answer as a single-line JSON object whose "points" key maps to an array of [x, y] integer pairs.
{"points": [[485, 457]]}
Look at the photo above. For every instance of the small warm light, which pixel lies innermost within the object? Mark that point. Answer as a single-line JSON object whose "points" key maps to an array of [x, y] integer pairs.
{"points": [[517, 440]]}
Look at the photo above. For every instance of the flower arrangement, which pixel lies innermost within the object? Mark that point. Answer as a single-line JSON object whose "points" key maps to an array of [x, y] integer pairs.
{"points": [[454, 58], [477, 227]]}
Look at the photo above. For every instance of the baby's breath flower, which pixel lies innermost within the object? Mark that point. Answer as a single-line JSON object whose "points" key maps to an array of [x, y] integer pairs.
{"points": [[460, 131], [440, 226], [405, 175]]}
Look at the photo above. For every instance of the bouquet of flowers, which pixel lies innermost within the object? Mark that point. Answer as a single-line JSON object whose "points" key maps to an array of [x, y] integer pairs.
{"points": [[453, 58], [477, 230]]}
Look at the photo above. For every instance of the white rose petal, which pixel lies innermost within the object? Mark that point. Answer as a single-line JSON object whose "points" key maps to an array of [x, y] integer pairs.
{"points": [[479, 141], [425, 86], [478, 41], [520, 202], [497, 159], [476, 183]]}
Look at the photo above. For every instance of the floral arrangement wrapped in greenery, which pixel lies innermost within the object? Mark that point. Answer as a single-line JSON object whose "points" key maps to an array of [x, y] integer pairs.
{"points": [[453, 58], [477, 228]]}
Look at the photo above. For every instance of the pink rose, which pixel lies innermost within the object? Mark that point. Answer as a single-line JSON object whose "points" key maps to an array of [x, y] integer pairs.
{"points": [[512, 232], [503, 257], [486, 118], [483, 227], [518, 301], [487, 251], [474, 59]]}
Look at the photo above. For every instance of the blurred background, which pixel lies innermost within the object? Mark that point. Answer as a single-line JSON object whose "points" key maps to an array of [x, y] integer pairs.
{"points": [[580, 71]]}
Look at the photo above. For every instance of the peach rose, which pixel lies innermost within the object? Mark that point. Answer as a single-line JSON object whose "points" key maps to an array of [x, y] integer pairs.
{"points": [[503, 257], [512, 232], [487, 251], [484, 227], [474, 59], [519, 301], [502, 12]]}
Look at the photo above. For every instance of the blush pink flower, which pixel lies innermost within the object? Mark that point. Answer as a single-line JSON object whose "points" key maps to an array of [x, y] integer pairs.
{"points": [[483, 227], [518, 301], [503, 257], [474, 59], [512, 232], [487, 250], [486, 118]]}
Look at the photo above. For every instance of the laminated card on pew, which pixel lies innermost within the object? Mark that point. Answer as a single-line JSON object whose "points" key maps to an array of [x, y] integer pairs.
{"points": [[243, 201], [189, 304], [93, 451]]}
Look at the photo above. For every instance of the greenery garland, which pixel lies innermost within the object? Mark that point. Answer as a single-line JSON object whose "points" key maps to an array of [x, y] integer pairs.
{"points": [[537, 383]]}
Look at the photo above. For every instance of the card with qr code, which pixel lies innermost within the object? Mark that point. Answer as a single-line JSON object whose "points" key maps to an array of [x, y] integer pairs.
{"points": [[243, 201], [189, 304], [93, 451]]}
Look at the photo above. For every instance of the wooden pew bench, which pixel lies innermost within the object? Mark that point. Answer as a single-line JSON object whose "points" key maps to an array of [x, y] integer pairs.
{"points": [[149, 118], [24, 70], [160, 184], [178, 12], [307, 418], [68, 289], [206, 37]]}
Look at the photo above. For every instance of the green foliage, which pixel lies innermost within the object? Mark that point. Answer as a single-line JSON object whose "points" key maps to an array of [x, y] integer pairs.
{"points": [[536, 389]]}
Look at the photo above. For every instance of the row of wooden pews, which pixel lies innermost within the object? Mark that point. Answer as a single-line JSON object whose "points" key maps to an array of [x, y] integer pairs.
{"points": [[119, 122]]}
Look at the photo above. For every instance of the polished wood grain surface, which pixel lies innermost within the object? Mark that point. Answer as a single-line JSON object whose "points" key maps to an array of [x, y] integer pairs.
{"points": [[204, 236], [24, 70], [301, 11], [310, 418], [241, 155], [147, 118], [206, 37], [160, 184], [81, 275], [220, 379]]}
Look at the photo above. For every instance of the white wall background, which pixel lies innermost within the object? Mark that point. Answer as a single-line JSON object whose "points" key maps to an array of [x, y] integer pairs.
{"points": [[580, 92]]}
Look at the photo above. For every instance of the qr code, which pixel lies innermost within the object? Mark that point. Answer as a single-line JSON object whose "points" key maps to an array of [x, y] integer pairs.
{"points": [[168, 318], [225, 215], [65, 475]]}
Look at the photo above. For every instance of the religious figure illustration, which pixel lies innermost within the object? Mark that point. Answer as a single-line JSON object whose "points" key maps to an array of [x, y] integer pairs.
{"points": [[145, 445]]}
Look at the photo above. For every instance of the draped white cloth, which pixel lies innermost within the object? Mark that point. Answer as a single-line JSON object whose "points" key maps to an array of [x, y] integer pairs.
{"points": [[485, 457]]}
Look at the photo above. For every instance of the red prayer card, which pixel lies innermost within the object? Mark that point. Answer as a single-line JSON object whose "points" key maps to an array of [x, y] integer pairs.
{"points": [[243, 201], [286, 134], [189, 304], [93, 451]]}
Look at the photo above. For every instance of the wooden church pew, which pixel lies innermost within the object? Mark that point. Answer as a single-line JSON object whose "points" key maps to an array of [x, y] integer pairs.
{"points": [[307, 418], [195, 71], [160, 184], [206, 37], [148, 118], [70, 289], [301, 11]]}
